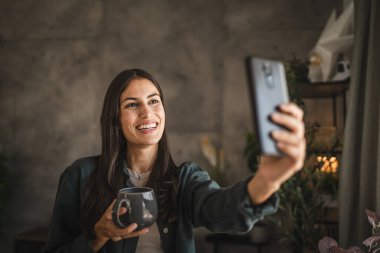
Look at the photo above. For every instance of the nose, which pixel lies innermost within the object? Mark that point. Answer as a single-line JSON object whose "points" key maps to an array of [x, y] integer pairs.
{"points": [[144, 111]]}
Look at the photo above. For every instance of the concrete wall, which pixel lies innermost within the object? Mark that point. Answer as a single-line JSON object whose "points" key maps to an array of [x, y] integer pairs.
{"points": [[58, 57]]}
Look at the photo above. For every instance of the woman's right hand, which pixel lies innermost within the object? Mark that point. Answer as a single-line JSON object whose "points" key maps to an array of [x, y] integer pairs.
{"points": [[105, 229]]}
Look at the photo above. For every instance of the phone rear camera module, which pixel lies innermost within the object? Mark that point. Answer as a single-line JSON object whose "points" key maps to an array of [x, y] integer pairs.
{"points": [[268, 75], [267, 68]]}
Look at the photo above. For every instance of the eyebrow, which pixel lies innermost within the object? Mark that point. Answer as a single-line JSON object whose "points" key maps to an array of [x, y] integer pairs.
{"points": [[134, 99]]}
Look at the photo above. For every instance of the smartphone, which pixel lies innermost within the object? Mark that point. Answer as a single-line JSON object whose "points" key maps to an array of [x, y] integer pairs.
{"points": [[268, 89]]}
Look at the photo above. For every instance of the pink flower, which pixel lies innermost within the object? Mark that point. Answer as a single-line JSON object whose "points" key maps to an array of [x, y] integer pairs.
{"points": [[371, 240], [326, 244], [373, 218], [329, 245]]}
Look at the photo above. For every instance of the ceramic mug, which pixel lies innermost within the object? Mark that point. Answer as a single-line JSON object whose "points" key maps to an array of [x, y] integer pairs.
{"points": [[141, 206]]}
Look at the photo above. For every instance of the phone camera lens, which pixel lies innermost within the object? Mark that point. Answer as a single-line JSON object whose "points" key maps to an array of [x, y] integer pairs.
{"points": [[267, 69]]}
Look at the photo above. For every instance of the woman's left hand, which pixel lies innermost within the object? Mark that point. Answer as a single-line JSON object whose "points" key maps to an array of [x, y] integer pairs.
{"points": [[273, 171]]}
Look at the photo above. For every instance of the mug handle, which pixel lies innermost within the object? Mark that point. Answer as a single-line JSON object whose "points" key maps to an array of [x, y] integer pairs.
{"points": [[115, 211]]}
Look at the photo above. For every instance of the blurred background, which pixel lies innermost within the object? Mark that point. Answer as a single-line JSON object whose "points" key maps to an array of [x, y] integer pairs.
{"points": [[58, 57]]}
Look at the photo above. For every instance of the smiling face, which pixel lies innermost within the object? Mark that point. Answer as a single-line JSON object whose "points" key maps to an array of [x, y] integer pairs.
{"points": [[142, 115]]}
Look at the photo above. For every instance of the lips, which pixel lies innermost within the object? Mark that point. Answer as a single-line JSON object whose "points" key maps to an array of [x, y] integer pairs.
{"points": [[147, 126]]}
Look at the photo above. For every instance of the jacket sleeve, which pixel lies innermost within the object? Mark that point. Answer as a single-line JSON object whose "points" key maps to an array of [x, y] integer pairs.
{"points": [[65, 235], [220, 209]]}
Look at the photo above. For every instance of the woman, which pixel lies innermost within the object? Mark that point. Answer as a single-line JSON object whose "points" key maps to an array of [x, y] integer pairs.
{"points": [[135, 153]]}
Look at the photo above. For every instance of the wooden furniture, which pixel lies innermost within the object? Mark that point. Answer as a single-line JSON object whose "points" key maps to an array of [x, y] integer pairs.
{"points": [[327, 221], [218, 240], [31, 241], [326, 90]]}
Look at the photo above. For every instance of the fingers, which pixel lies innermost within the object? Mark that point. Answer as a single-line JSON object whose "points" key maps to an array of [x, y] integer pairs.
{"points": [[116, 238], [290, 116], [122, 211], [291, 146], [109, 211], [137, 233], [286, 137], [122, 233], [290, 122], [107, 230], [128, 232], [106, 226], [297, 152], [292, 109], [291, 143]]}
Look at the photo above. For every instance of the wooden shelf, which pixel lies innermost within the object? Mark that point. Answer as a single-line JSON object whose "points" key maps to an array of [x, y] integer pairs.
{"points": [[323, 89], [329, 90]]}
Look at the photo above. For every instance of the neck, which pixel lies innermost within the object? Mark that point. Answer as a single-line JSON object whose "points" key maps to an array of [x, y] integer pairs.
{"points": [[141, 159]]}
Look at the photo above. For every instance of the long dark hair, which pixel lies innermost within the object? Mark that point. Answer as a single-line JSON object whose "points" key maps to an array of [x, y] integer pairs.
{"points": [[104, 183]]}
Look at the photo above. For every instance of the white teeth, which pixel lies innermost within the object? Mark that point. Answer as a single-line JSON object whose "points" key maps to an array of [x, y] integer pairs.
{"points": [[147, 126]]}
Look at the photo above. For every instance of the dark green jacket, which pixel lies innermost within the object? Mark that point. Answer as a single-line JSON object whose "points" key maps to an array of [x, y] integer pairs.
{"points": [[201, 202]]}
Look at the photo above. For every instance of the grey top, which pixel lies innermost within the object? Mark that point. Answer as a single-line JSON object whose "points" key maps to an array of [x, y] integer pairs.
{"points": [[201, 202]]}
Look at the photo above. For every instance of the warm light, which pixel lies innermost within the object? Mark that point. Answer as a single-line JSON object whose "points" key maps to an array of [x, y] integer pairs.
{"points": [[329, 164]]}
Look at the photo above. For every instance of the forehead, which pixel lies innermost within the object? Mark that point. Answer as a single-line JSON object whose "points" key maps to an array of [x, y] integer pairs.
{"points": [[139, 88]]}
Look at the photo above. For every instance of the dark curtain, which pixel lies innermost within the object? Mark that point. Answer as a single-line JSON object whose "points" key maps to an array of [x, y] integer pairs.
{"points": [[359, 185]]}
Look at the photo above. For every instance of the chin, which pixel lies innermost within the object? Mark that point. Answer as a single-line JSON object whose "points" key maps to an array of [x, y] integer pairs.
{"points": [[153, 141]]}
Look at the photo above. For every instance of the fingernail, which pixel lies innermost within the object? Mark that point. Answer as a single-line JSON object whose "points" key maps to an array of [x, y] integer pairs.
{"points": [[283, 106], [272, 115]]}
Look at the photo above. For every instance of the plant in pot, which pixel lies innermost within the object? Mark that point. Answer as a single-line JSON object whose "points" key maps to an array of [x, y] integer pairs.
{"points": [[329, 245]]}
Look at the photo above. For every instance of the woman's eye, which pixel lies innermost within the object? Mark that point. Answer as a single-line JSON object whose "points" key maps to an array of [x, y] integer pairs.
{"points": [[154, 101], [131, 105]]}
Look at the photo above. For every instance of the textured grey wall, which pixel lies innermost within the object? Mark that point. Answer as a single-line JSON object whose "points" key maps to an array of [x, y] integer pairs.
{"points": [[58, 57]]}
